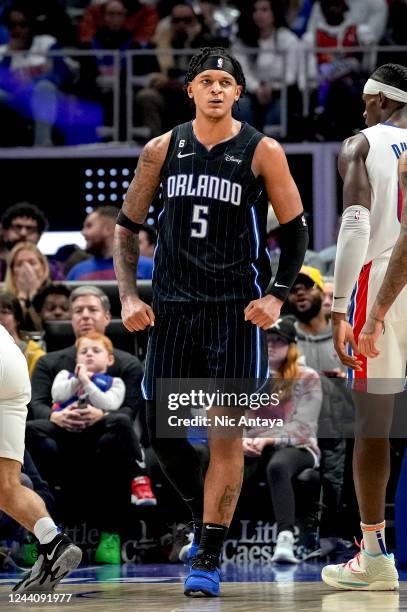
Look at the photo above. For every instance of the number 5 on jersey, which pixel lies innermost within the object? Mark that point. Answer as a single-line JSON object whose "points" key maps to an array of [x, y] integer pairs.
{"points": [[201, 222]]}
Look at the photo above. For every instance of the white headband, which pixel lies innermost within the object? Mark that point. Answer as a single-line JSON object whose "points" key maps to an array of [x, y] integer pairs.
{"points": [[373, 87]]}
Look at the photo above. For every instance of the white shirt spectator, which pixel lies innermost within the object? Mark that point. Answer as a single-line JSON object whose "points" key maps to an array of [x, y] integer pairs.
{"points": [[268, 67], [32, 63]]}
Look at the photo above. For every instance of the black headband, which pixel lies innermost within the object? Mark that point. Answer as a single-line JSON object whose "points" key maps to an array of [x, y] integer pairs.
{"points": [[216, 62]]}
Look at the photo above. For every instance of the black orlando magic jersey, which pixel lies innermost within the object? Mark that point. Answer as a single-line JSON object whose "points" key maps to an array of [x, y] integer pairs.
{"points": [[212, 229]]}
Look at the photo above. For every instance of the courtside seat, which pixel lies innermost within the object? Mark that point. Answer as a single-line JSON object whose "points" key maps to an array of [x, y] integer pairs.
{"points": [[59, 335]]}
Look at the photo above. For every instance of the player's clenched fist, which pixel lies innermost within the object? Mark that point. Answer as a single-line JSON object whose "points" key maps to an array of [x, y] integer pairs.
{"points": [[263, 312], [136, 314]]}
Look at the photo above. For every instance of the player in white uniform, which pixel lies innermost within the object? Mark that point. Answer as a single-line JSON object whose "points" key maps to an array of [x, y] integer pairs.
{"points": [[57, 554], [394, 281], [368, 164]]}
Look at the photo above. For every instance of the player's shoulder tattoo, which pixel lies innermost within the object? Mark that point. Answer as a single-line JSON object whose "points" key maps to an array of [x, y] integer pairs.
{"points": [[155, 150]]}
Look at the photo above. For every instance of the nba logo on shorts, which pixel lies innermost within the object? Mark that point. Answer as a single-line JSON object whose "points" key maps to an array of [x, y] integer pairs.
{"points": [[220, 62]]}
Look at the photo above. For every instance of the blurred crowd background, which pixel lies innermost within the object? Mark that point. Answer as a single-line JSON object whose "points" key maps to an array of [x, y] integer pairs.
{"points": [[78, 72]]}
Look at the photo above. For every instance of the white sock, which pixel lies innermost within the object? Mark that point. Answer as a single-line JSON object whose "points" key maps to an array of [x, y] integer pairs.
{"points": [[45, 530], [373, 538]]}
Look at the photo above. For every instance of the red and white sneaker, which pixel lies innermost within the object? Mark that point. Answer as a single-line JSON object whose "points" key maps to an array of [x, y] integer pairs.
{"points": [[364, 572], [141, 492]]}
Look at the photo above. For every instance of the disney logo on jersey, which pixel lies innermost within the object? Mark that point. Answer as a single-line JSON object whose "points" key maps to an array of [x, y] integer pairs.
{"points": [[232, 159]]}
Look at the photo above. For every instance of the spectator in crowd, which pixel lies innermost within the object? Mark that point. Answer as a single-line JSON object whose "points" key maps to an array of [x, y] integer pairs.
{"points": [[71, 258], [263, 26], [20, 223], [315, 343], [217, 26], [98, 231], [147, 239], [328, 299], [27, 273], [340, 79], [182, 30], [370, 13], [102, 71], [141, 20], [12, 317], [111, 34], [295, 449], [30, 81], [162, 103], [297, 14], [312, 258], [89, 382], [50, 17], [327, 257], [328, 254], [86, 451], [52, 303], [314, 332], [396, 33]]}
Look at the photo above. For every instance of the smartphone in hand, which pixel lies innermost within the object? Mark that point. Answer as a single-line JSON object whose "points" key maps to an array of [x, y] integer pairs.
{"points": [[82, 401]]}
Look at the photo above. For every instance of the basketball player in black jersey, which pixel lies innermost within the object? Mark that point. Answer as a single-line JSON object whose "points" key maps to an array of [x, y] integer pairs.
{"points": [[211, 300]]}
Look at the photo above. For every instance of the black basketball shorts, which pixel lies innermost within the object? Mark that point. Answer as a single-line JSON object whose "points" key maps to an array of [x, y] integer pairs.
{"points": [[211, 342]]}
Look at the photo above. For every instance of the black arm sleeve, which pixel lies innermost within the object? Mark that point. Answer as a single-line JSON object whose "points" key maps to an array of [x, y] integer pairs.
{"points": [[293, 242]]}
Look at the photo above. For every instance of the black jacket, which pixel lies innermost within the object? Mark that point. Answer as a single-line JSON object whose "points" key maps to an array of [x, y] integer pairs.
{"points": [[126, 366]]}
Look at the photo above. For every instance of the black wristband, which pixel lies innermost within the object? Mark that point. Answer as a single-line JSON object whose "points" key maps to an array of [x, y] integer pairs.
{"points": [[124, 221], [293, 241]]}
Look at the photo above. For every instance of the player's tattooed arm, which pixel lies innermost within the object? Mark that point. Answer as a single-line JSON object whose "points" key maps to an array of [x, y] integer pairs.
{"points": [[137, 202], [396, 275], [136, 315]]}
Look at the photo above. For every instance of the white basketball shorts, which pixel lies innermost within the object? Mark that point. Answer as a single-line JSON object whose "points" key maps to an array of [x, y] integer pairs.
{"points": [[389, 369], [15, 393]]}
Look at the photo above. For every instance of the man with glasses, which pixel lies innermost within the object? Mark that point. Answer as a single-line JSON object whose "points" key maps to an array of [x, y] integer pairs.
{"points": [[22, 222]]}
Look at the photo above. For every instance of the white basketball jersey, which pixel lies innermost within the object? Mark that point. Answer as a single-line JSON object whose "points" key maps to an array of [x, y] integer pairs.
{"points": [[386, 144]]}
